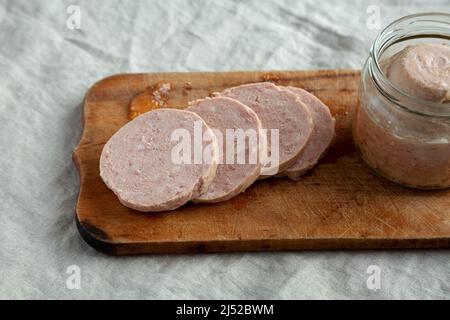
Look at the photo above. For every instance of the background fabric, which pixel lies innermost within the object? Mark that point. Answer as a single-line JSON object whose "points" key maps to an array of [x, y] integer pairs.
{"points": [[46, 68]]}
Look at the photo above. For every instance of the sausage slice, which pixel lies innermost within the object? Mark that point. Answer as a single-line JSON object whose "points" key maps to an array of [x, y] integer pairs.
{"points": [[281, 110], [321, 137], [142, 163], [231, 120]]}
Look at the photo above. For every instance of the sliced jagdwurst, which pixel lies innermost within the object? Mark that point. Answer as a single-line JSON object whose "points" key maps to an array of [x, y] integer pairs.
{"points": [[237, 129], [421, 71], [154, 164], [321, 138], [282, 113]]}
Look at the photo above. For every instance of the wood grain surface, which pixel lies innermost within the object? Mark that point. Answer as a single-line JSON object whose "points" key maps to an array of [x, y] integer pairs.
{"points": [[341, 204]]}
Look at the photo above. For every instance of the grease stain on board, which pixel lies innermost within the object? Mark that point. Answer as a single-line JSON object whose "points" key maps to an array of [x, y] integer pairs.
{"points": [[153, 97]]}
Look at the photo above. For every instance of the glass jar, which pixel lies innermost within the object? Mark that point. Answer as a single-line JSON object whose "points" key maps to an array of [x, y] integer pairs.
{"points": [[402, 137]]}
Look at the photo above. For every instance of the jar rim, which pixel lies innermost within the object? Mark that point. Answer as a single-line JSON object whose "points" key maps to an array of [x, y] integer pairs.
{"points": [[404, 28]]}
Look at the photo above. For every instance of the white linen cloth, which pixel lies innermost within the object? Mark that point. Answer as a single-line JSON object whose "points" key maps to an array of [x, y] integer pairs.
{"points": [[46, 68]]}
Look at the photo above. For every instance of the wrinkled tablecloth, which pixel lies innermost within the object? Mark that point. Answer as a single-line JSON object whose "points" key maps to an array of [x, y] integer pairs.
{"points": [[51, 52]]}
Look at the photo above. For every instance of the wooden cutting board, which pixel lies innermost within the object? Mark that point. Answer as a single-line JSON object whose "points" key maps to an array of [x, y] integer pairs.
{"points": [[341, 204]]}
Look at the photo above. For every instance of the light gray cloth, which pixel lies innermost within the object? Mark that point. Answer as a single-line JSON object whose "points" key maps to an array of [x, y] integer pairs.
{"points": [[46, 68]]}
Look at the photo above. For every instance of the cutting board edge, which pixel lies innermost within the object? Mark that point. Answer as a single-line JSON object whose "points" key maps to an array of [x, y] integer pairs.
{"points": [[97, 239]]}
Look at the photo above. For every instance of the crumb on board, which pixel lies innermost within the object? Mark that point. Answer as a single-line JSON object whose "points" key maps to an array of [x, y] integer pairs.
{"points": [[186, 88], [271, 77]]}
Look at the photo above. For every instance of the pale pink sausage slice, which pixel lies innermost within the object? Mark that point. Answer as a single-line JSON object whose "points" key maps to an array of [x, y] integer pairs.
{"points": [[281, 110], [320, 139], [229, 118], [139, 165]]}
